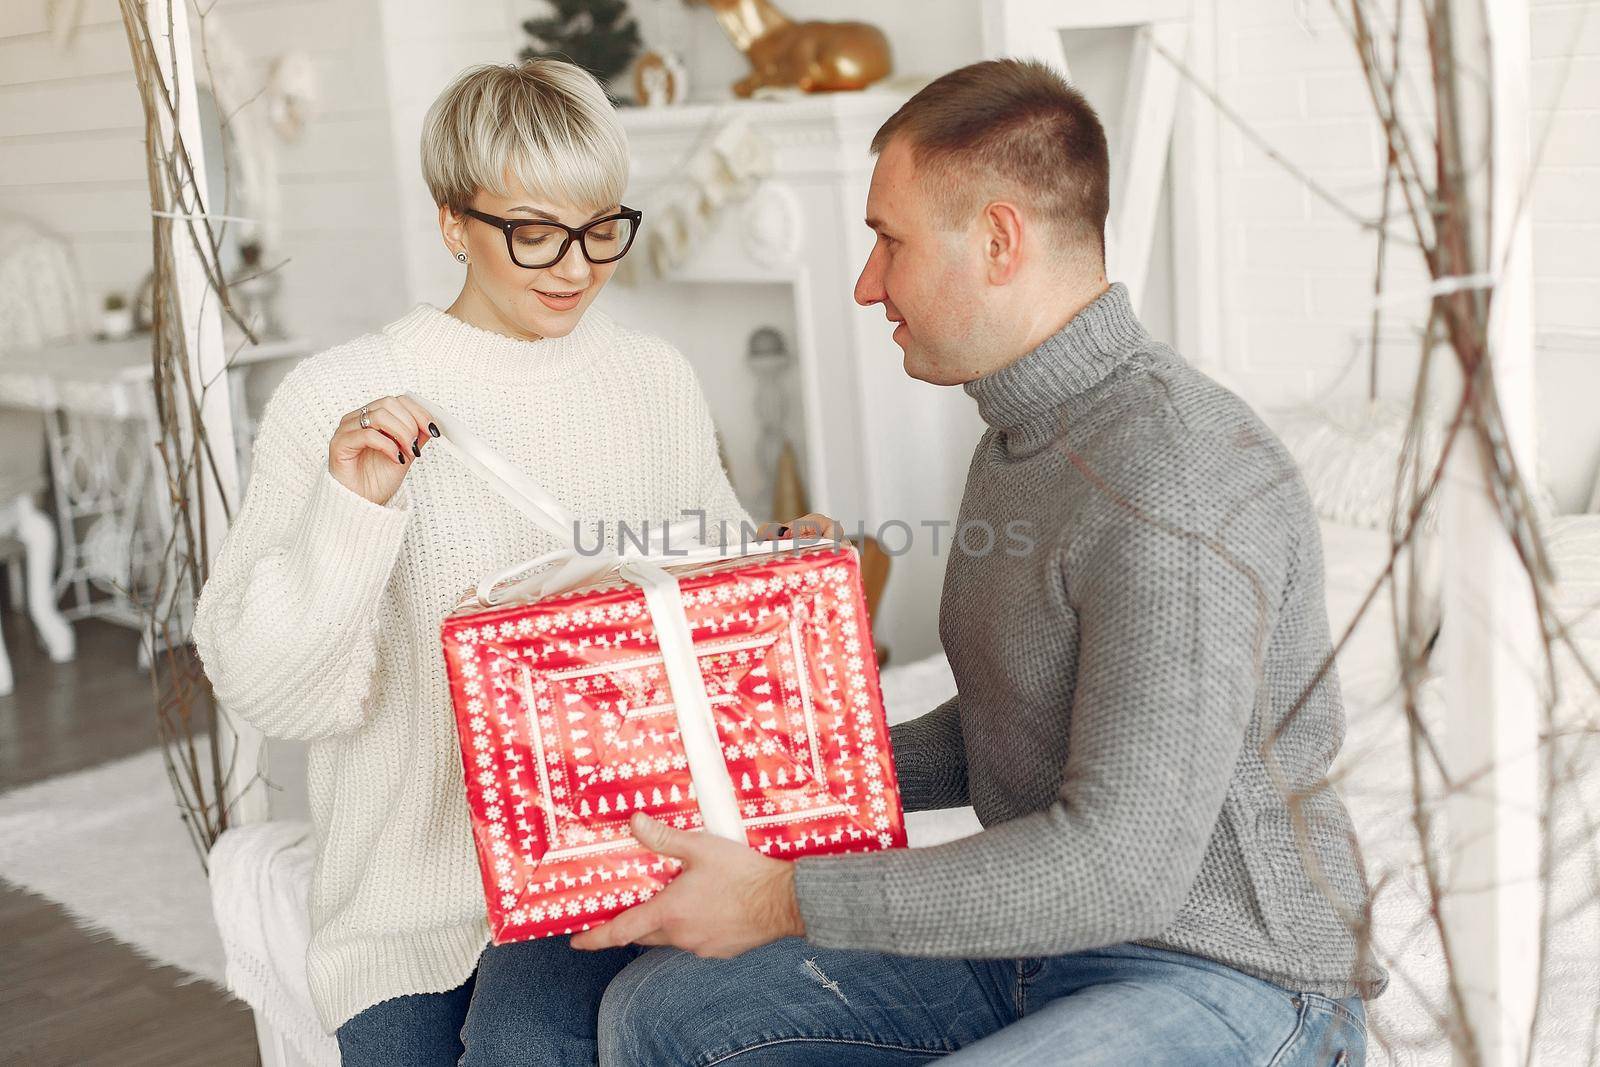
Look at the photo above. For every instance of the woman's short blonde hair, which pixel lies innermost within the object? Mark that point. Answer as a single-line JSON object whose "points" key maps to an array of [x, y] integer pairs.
{"points": [[543, 124]]}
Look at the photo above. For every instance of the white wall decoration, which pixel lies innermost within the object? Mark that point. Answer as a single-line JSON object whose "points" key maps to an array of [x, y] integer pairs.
{"points": [[727, 164]]}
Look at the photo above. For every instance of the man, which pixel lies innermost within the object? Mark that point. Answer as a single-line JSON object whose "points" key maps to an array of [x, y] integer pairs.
{"points": [[1142, 722]]}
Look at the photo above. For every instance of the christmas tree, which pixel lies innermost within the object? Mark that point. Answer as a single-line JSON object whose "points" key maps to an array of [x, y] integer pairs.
{"points": [[597, 35]]}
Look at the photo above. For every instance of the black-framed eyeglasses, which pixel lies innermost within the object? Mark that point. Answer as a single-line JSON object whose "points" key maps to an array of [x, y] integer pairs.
{"points": [[535, 243]]}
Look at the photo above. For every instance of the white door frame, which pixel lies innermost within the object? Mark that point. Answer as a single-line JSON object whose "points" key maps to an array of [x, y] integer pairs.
{"points": [[1162, 117], [240, 743]]}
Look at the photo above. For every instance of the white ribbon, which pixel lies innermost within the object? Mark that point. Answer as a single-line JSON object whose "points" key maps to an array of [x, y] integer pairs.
{"points": [[569, 568]]}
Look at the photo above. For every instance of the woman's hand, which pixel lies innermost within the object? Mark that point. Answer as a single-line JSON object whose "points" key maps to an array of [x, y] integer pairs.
{"points": [[813, 528], [372, 462]]}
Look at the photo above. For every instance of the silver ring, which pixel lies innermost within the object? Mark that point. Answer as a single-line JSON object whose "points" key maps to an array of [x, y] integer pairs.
{"points": [[365, 421]]}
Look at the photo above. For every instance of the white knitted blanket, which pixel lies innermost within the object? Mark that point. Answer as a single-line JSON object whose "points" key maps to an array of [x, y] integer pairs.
{"points": [[260, 881]]}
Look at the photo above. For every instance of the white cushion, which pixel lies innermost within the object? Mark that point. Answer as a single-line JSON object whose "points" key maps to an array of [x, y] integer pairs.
{"points": [[1348, 453], [909, 692], [1353, 559], [1572, 544]]}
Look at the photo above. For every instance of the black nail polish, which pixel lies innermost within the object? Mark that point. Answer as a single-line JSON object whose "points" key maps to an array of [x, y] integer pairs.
{"points": [[400, 458], [433, 429], [415, 451]]}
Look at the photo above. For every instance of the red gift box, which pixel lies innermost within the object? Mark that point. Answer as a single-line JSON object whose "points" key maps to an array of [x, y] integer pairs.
{"points": [[568, 725]]}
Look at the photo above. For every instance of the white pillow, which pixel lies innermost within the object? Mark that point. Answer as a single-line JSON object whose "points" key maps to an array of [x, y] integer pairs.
{"points": [[1572, 544], [1353, 558], [910, 691], [1348, 451]]}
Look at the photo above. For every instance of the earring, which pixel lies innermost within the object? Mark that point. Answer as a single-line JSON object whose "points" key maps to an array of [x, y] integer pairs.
{"points": [[462, 256]]}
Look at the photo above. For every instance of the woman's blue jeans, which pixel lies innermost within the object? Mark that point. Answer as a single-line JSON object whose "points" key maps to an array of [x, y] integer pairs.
{"points": [[792, 1003], [533, 1002]]}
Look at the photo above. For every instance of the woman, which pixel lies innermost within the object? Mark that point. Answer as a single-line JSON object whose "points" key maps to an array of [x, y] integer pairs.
{"points": [[320, 621]]}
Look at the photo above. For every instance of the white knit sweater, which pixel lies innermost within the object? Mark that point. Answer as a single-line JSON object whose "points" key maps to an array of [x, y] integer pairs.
{"points": [[320, 620]]}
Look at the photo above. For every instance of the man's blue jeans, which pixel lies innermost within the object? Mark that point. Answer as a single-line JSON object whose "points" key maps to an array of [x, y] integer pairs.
{"points": [[791, 1003]]}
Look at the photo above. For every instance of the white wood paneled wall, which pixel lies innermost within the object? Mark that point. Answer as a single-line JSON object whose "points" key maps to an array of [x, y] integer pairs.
{"points": [[71, 154]]}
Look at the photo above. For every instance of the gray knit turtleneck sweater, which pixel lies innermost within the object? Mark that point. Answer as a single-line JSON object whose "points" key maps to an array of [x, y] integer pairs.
{"points": [[1129, 721]]}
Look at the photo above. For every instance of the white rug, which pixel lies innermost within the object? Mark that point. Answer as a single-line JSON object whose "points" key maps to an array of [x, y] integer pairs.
{"points": [[107, 844]]}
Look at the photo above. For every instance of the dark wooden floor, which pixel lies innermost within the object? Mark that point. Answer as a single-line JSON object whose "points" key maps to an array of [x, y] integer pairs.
{"points": [[67, 998]]}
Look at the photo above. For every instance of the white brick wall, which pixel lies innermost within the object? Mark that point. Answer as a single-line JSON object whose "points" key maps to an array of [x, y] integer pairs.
{"points": [[1296, 273], [1297, 277], [1566, 215]]}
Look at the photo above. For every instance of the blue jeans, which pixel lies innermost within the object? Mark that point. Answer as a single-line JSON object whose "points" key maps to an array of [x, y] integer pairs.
{"points": [[533, 1002], [792, 1003]]}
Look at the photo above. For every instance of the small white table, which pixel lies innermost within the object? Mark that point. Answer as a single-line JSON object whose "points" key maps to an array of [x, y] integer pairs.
{"points": [[101, 428]]}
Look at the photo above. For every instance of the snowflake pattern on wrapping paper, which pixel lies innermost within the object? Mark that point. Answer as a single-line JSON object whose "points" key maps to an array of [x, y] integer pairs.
{"points": [[567, 727]]}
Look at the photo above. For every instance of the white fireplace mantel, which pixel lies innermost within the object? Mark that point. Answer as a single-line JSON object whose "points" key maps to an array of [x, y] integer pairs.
{"points": [[820, 134]]}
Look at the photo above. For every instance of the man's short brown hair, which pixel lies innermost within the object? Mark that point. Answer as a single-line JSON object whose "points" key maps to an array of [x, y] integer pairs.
{"points": [[1014, 128]]}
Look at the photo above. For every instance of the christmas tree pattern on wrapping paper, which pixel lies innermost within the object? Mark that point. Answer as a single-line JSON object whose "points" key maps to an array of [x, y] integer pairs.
{"points": [[583, 733]]}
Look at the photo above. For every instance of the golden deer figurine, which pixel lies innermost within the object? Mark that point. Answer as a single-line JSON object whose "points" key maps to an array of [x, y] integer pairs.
{"points": [[819, 57]]}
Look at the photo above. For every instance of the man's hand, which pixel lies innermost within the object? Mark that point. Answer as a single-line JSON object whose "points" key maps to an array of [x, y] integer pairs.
{"points": [[728, 898]]}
